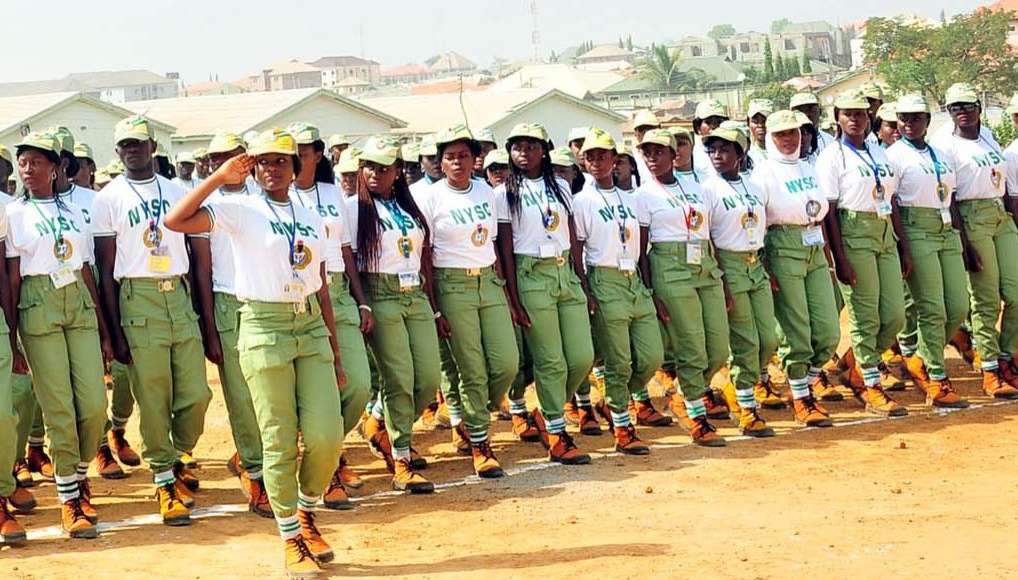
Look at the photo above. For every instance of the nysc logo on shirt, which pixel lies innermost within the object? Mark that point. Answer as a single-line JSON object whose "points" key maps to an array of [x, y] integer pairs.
{"points": [[286, 230], [988, 159], [800, 185], [388, 225], [941, 167], [469, 215], [62, 224], [732, 202], [608, 213], [689, 198], [882, 170], [531, 199], [328, 210], [150, 210]]}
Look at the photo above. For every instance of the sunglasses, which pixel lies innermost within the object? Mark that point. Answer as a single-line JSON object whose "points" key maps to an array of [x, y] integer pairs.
{"points": [[962, 107]]}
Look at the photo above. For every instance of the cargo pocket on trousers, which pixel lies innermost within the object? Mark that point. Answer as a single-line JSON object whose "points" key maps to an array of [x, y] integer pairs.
{"points": [[34, 318], [320, 336], [258, 352], [136, 331], [226, 319]]}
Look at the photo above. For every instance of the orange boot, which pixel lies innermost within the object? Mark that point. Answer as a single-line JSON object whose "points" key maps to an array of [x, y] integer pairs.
{"points": [[298, 560], [347, 475], [808, 412], [996, 386], [486, 465], [648, 416], [704, 434], [335, 497], [562, 449], [40, 463], [11, 532], [73, 520], [525, 428], [628, 443], [320, 549]]}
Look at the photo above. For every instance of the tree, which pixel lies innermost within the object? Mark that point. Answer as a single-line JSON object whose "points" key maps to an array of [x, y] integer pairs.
{"points": [[661, 68], [768, 70], [807, 65], [621, 44], [720, 31], [779, 26], [780, 73], [778, 93], [753, 75], [629, 43], [1005, 132], [970, 48], [792, 67]]}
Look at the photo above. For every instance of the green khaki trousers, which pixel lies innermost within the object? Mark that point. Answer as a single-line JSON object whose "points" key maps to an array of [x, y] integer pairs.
{"points": [[628, 336], [37, 430], [287, 361], [938, 285], [992, 233], [805, 305], [876, 304], [122, 401], [908, 338], [60, 333], [9, 450], [405, 343], [695, 299], [352, 351], [525, 373], [25, 407], [167, 374], [236, 394], [559, 333], [752, 328], [483, 342]]}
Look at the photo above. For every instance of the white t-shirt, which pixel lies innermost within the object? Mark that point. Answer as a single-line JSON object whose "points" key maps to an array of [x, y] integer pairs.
{"points": [[980, 167], [541, 229], [261, 232], [738, 220], [420, 188], [82, 197], [758, 155], [603, 219], [1011, 156], [792, 191], [847, 177], [32, 227], [223, 269], [187, 184], [327, 201], [917, 176], [674, 213], [392, 258], [463, 224], [824, 139], [702, 163], [641, 166], [131, 211]]}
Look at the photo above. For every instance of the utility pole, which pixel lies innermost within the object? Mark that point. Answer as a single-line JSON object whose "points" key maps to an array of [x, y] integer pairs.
{"points": [[535, 33]]}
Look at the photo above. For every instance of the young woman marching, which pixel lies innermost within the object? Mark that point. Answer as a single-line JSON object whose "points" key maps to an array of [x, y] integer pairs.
{"points": [[681, 269], [624, 321], [989, 239], [862, 227], [625, 173], [543, 264], [738, 217], [796, 260], [288, 354], [938, 282], [314, 189], [65, 340], [474, 310], [393, 253]]}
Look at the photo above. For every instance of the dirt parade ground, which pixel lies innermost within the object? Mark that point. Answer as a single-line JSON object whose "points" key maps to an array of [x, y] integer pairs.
{"points": [[932, 495]]}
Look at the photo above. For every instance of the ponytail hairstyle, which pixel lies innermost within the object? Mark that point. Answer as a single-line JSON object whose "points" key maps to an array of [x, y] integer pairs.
{"points": [[323, 169], [369, 224], [578, 180], [514, 181]]}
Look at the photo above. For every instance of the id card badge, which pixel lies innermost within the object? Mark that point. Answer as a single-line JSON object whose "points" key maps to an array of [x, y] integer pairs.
{"points": [[547, 250], [945, 216], [62, 277], [409, 280], [813, 236], [627, 264], [293, 291], [694, 253], [159, 260], [884, 208]]}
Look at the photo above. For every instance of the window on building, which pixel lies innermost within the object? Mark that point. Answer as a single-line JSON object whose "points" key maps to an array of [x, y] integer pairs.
{"points": [[744, 47], [789, 44], [697, 51]]}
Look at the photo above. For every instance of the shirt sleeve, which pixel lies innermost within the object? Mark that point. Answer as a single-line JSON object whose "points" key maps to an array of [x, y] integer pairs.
{"points": [[225, 213], [102, 216], [502, 206], [581, 214], [642, 209], [827, 176], [1011, 157]]}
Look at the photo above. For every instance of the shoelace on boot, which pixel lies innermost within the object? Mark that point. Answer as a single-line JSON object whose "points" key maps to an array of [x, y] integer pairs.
{"points": [[106, 454], [567, 441], [768, 388], [171, 491], [76, 509], [307, 521], [810, 404], [302, 548], [336, 480], [5, 509], [703, 425], [631, 435], [485, 449]]}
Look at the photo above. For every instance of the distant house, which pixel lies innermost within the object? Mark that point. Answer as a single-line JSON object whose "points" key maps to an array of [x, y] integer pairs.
{"points": [[212, 88], [109, 86], [720, 78], [336, 69], [351, 86], [450, 63], [697, 46], [406, 74], [91, 120], [566, 78], [606, 53], [198, 119], [287, 75]]}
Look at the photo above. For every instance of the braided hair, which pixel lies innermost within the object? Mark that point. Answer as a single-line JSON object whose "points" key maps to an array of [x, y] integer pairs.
{"points": [[53, 158], [369, 228], [514, 182]]}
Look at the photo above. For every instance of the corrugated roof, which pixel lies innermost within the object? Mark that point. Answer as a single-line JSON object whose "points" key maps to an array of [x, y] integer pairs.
{"points": [[291, 66], [568, 79], [341, 61], [431, 113], [204, 116], [78, 82], [14, 111], [449, 61]]}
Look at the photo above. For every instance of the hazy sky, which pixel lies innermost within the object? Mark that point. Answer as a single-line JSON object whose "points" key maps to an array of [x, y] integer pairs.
{"points": [[232, 38]]}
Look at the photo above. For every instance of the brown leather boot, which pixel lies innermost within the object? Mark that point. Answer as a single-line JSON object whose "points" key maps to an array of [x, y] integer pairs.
{"points": [[824, 390], [602, 409], [486, 465], [888, 381], [233, 465], [335, 497], [852, 378], [406, 479], [108, 467], [417, 461], [753, 425], [1008, 372], [648, 416], [348, 476], [22, 474], [916, 368], [298, 560], [627, 442], [73, 520], [542, 428], [940, 393], [716, 406], [704, 434], [878, 403], [85, 497], [525, 428], [767, 396], [588, 421], [120, 446], [571, 413], [40, 463], [320, 549], [428, 415], [373, 431], [171, 508], [186, 476], [564, 450], [808, 412], [12, 533], [962, 342], [994, 385], [461, 439], [257, 497], [22, 500]]}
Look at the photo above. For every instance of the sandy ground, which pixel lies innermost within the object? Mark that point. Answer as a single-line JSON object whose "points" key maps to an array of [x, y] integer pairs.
{"points": [[932, 495]]}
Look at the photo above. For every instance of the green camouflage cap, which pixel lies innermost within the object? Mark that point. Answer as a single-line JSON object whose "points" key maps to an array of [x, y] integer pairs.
{"points": [[779, 121], [760, 107], [497, 156], [803, 99], [851, 100], [661, 137], [710, 108], [428, 146], [304, 133], [135, 127], [381, 149], [64, 135], [486, 136], [349, 160], [563, 157], [453, 134], [221, 143], [43, 140], [961, 93], [597, 139], [730, 134], [83, 151], [528, 131]]}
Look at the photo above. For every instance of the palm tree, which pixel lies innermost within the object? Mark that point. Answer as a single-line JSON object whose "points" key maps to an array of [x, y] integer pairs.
{"points": [[661, 67]]}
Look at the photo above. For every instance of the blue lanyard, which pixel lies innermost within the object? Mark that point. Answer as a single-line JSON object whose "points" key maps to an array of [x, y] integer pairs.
{"points": [[933, 158], [153, 224], [291, 234], [611, 210], [872, 163], [318, 197], [58, 232], [397, 214]]}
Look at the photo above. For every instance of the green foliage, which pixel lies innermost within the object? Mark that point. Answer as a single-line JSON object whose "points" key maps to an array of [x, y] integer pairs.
{"points": [[778, 93], [807, 65], [779, 26], [1005, 132], [720, 31], [629, 43], [792, 68], [661, 68], [969, 48], [780, 71], [768, 71]]}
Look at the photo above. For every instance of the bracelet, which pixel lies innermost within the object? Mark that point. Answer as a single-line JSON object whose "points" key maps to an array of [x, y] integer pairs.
{"points": [[364, 307], [438, 314]]}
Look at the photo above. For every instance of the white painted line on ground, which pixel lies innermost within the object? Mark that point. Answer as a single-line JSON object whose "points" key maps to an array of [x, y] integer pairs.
{"points": [[224, 510]]}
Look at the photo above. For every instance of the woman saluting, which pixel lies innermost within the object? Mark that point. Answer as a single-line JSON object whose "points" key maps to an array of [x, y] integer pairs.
{"points": [[288, 353]]}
